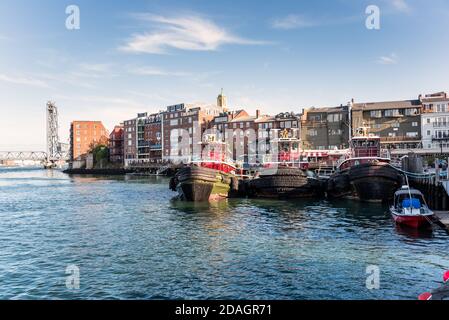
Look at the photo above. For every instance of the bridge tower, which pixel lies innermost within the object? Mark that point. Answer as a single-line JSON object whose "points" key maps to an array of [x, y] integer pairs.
{"points": [[53, 145]]}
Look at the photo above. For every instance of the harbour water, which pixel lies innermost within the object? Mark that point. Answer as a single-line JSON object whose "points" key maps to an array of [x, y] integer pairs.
{"points": [[131, 241]]}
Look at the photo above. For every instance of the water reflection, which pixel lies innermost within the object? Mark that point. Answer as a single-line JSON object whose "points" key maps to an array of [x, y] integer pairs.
{"points": [[132, 240]]}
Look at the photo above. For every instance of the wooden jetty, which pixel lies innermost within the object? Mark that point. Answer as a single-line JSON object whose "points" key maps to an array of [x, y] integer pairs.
{"points": [[442, 218]]}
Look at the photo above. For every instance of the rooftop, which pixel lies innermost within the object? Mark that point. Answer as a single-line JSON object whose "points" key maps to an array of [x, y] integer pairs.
{"points": [[403, 104]]}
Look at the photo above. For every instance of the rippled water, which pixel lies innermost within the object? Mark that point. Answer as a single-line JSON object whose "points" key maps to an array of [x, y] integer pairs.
{"points": [[131, 241]]}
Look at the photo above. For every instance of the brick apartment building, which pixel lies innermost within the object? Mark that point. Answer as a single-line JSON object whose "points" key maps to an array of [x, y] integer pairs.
{"points": [[153, 137], [116, 144], [84, 135], [398, 123], [190, 119], [238, 130]]}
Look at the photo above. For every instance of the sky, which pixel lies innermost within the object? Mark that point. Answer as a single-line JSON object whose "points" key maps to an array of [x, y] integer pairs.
{"points": [[143, 55]]}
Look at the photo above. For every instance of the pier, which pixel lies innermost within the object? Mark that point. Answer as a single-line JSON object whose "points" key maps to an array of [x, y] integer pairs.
{"points": [[442, 219]]}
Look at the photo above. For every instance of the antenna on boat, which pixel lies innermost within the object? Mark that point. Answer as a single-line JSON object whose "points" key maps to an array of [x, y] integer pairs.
{"points": [[350, 118]]}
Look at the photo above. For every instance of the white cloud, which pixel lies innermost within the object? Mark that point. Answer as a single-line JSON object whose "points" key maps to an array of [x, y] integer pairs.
{"points": [[291, 21], [400, 5], [27, 81], [152, 71], [391, 59], [182, 33]]}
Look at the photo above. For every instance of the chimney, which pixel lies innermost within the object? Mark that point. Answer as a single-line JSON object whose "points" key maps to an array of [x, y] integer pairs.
{"points": [[257, 114]]}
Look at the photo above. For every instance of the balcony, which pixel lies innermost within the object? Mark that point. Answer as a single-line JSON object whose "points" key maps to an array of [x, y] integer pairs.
{"points": [[400, 139], [442, 137]]}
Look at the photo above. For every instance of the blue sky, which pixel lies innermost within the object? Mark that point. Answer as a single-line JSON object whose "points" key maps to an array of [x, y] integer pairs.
{"points": [[133, 56]]}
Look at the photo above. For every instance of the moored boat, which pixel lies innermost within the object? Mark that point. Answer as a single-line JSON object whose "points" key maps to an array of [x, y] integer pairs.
{"points": [[410, 208], [210, 178], [365, 175], [284, 182], [285, 174]]}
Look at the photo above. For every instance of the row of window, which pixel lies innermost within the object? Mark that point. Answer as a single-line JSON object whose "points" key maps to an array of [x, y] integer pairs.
{"points": [[394, 112]]}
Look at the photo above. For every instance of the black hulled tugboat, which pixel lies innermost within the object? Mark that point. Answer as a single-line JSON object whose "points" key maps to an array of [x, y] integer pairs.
{"points": [[285, 176], [207, 179], [365, 175]]}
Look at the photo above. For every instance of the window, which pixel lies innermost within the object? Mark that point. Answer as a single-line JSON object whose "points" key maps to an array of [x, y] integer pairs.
{"points": [[335, 132], [411, 112], [376, 114], [441, 107], [336, 117], [174, 122], [428, 132], [428, 120], [414, 124], [392, 113], [412, 134], [312, 132], [395, 124]]}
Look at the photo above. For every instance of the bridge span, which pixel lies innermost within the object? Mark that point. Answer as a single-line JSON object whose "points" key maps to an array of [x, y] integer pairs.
{"points": [[23, 155]]}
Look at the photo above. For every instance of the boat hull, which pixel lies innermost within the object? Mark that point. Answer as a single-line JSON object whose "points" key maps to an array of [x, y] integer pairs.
{"points": [[284, 183], [375, 182], [415, 222], [201, 184]]}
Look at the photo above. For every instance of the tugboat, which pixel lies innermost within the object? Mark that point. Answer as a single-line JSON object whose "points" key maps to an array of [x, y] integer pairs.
{"points": [[365, 175], [410, 208], [208, 179], [286, 175]]}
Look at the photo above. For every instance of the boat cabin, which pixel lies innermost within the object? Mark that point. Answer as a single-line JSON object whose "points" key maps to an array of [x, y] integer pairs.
{"points": [[214, 155], [409, 198], [364, 144], [289, 152]]}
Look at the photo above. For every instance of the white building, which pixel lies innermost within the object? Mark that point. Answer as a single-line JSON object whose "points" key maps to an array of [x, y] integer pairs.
{"points": [[435, 121]]}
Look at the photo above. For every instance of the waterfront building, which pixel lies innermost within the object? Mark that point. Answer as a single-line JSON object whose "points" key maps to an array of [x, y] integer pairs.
{"points": [[237, 129], [190, 119], [325, 128], [153, 137], [130, 141], [84, 135], [435, 121], [116, 145], [398, 123], [271, 130]]}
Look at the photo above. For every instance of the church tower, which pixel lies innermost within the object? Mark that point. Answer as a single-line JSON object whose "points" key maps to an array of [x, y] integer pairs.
{"points": [[222, 100]]}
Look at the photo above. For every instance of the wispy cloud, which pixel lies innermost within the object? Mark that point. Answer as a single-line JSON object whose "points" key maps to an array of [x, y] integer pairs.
{"points": [[152, 71], [87, 70], [27, 81], [388, 60], [182, 33], [292, 21], [400, 5]]}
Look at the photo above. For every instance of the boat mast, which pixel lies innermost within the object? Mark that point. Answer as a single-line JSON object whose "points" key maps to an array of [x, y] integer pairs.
{"points": [[350, 120]]}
